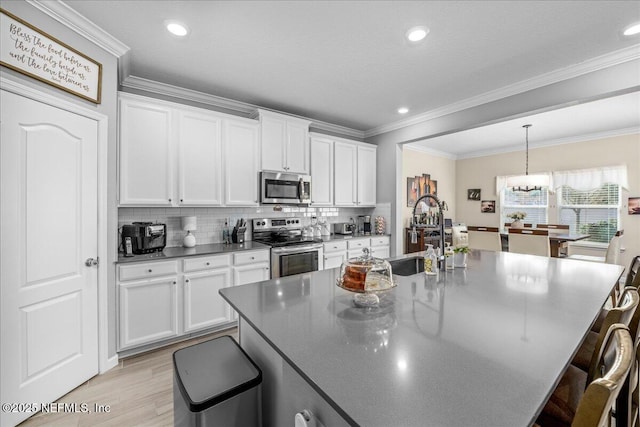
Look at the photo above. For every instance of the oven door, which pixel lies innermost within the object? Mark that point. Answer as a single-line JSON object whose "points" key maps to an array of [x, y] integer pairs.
{"points": [[281, 188], [287, 261]]}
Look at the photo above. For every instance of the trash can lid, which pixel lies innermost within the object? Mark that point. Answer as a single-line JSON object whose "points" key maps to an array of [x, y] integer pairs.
{"points": [[213, 371]]}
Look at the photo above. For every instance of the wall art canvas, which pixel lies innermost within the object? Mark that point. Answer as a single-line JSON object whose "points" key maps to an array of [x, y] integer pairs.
{"points": [[634, 205], [488, 206], [418, 186], [473, 194]]}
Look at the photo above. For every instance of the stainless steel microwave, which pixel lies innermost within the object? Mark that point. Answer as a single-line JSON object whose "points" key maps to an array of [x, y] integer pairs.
{"points": [[284, 188]]}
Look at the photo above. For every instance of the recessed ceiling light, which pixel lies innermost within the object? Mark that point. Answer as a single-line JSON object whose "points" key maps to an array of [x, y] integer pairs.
{"points": [[177, 28], [403, 110], [632, 30], [416, 34]]}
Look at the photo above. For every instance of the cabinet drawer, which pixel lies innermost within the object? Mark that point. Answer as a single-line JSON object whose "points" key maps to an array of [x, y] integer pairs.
{"points": [[241, 258], [380, 241], [206, 263], [147, 270], [335, 246], [358, 243]]}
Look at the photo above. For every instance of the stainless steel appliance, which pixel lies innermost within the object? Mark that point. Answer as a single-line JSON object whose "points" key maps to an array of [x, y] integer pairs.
{"points": [[285, 188], [144, 237], [290, 252], [364, 224], [344, 228]]}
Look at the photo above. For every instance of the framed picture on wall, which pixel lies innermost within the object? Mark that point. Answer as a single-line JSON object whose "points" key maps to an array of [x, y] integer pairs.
{"points": [[412, 192], [488, 206], [634, 205], [473, 194]]}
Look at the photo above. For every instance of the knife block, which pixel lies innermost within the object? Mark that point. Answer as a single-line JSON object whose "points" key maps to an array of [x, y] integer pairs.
{"points": [[237, 235]]}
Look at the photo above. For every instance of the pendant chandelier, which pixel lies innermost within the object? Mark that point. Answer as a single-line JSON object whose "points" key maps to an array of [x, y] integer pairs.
{"points": [[527, 182]]}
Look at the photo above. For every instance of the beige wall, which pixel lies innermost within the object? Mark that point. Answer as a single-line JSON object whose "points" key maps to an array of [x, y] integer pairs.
{"points": [[480, 173], [441, 169]]}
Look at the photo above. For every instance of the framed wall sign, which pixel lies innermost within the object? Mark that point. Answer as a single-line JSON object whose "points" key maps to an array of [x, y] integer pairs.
{"points": [[29, 51], [473, 194]]}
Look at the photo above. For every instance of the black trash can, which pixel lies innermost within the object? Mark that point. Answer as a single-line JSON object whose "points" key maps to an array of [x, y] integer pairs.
{"points": [[215, 383]]}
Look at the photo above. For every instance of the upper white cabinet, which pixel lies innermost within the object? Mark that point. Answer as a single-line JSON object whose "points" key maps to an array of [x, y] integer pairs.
{"points": [[285, 142], [321, 171], [241, 154], [354, 173], [146, 153], [199, 159], [175, 155]]}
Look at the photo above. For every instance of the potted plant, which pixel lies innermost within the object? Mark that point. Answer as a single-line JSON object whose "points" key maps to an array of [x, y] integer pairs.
{"points": [[460, 256], [516, 218]]}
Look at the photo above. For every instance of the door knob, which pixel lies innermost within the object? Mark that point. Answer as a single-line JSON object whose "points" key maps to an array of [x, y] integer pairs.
{"points": [[90, 262]]}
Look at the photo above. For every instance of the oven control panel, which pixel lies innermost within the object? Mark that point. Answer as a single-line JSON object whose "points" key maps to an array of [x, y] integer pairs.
{"points": [[277, 223]]}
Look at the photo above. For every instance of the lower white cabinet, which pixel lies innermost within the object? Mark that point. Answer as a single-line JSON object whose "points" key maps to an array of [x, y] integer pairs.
{"points": [[335, 252], [380, 246], [160, 300]]}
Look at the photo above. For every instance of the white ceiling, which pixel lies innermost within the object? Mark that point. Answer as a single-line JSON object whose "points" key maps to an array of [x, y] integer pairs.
{"points": [[348, 63]]}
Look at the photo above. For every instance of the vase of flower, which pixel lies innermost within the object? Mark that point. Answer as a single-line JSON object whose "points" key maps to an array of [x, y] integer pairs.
{"points": [[460, 256], [516, 219]]}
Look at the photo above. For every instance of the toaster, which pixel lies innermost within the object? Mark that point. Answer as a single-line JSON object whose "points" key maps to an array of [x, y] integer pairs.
{"points": [[343, 228], [143, 238]]}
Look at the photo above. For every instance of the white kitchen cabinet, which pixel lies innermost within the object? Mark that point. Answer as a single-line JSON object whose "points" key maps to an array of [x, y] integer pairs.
{"points": [[335, 252], [249, 267], [321, 171], [366, 175], [148, 311], [203, 306], [199, 159], [285, 143], [345, 173], [146, 153], [241, 159]]}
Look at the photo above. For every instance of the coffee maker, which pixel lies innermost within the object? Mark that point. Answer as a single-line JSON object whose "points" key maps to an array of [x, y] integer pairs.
{"points": [[364, 224]]}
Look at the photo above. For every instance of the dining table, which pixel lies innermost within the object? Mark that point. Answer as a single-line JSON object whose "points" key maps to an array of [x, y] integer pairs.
{"points": [[557, 241], [483, 345]]}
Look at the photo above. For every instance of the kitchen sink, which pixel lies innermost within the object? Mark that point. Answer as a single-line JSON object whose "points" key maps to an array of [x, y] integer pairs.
{"points": [[407, 266]]}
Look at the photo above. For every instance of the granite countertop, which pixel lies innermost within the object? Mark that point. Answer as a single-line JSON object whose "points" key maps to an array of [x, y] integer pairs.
{"points": [[482, 345], [179, 252]]}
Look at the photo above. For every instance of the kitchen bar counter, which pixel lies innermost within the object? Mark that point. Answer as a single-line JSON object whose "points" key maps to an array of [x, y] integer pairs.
{"points": [[482, 346], [179, 251]]}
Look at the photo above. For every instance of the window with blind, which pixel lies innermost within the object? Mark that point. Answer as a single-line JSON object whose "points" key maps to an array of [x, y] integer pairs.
{"points": [[533, 203], [594, 212]]}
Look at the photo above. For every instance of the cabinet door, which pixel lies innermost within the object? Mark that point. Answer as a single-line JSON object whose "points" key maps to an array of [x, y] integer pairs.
{"points": [[148, 311], [203, 306], [145, 154], [334, 259], [274, 143], [250, 273], [321, 172], [200, 159], [380, 251], [241, 154], [297, 150], [366, 176], [345, 173]]}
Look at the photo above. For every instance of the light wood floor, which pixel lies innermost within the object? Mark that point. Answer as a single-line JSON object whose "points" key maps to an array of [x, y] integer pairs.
{"points": [[139, 392]]}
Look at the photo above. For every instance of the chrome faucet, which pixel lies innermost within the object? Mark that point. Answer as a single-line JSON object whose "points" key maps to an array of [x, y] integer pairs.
{"points": [[442, 206]]}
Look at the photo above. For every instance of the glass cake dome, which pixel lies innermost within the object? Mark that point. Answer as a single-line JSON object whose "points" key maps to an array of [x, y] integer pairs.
{"points": [[366, 276]]}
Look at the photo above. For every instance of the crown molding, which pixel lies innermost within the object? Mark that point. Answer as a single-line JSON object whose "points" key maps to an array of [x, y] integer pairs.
{"points": [[430, 151], [598, 63], [68, 17], [552, 142], [244, 108]]}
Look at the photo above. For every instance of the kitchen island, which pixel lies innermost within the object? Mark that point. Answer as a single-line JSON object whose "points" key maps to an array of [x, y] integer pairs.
{"points": [[483, 345]]}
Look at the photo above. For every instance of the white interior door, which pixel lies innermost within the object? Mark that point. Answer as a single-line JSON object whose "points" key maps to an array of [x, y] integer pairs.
{"points": [[48, 228]]}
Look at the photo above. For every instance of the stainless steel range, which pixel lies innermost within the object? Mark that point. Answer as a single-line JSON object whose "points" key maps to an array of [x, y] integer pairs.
{"points": [[291, 253]]}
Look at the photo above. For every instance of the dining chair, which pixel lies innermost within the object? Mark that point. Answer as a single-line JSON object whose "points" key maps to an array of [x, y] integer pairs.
{"points": [[633, 278], [611, 256], [573, 404], [486, 238], [525, 225], [557, 229], [532, 242], [627, 402]]}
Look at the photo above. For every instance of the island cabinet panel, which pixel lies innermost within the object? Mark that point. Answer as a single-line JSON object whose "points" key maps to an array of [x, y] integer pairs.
{"points": [[284, 391], [146, 153], [321, 172]]}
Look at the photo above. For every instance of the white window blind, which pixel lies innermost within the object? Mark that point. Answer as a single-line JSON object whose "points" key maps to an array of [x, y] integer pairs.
{"points": [[595, 212], [533, 203]]}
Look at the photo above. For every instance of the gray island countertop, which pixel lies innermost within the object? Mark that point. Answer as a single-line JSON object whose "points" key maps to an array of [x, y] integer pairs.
{"points": [[476, 346]]}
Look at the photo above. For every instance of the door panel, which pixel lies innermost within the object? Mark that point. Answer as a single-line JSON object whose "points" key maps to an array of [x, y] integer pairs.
{"points": [[48, 227]]}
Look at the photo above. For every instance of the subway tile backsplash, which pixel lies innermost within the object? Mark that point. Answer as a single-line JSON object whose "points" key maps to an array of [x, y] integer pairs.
{"points": [[211, 220]]}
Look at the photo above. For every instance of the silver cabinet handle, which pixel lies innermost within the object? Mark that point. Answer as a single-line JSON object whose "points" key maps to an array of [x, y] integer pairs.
{"points": [[169, 199], [149, 271], [208, 263], [91, 262]]}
